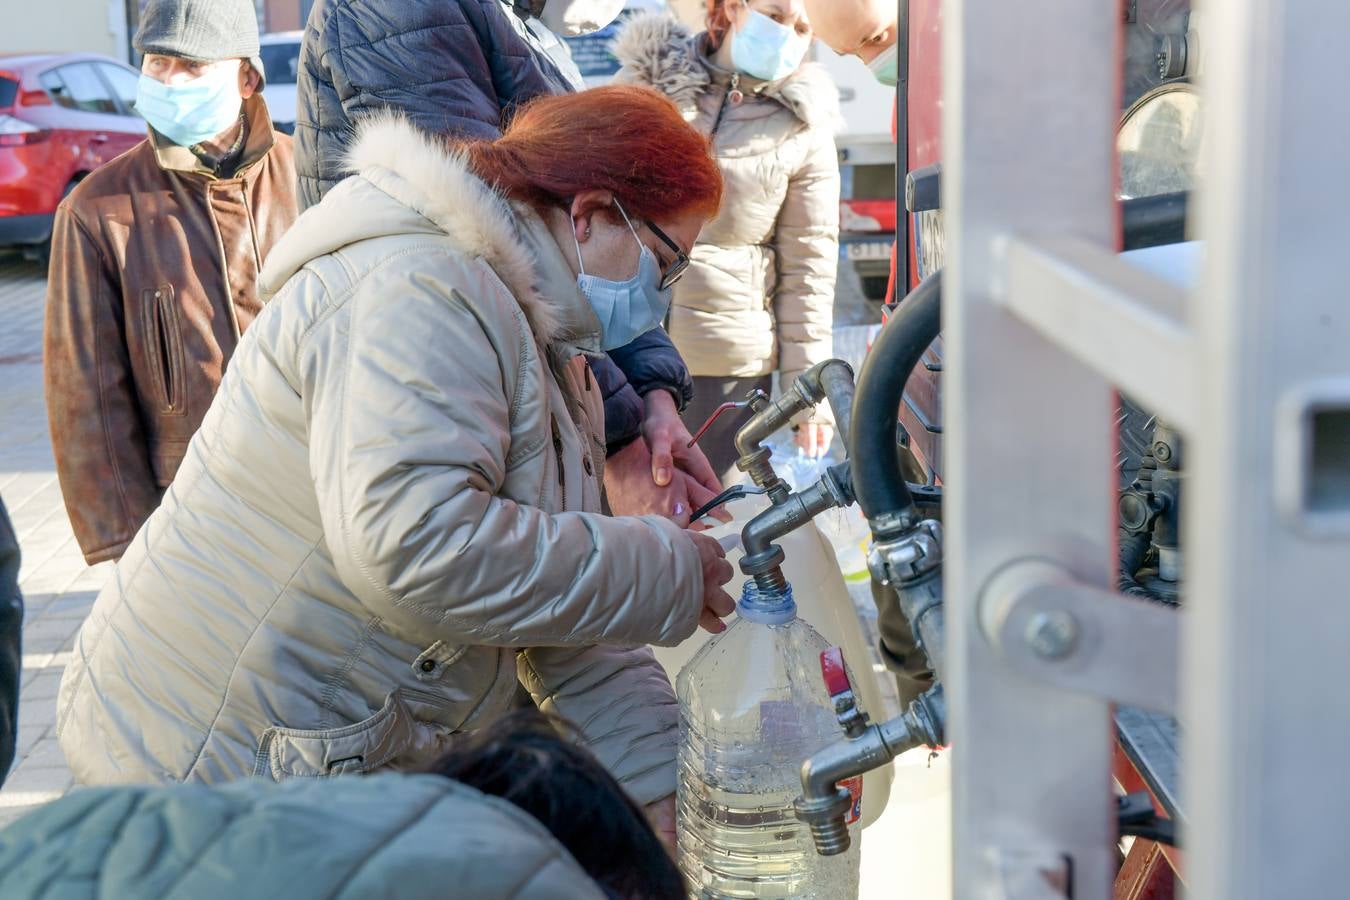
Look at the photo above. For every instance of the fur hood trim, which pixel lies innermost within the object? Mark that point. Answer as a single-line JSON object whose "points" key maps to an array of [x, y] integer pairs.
{"points": [[433, 179], [658, 50]]}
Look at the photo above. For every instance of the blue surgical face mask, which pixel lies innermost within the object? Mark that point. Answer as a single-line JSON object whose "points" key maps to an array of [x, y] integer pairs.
{"points": [[886, 67], [193, 111], [766, 49], [626, 309]]}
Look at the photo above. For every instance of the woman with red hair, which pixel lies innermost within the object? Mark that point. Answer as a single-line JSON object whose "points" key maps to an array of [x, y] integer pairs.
{"points": [[390, 518], [759, 297]]}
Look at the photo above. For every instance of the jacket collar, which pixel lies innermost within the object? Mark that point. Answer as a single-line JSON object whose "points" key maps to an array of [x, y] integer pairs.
{"points": [[433, 178], [658, 50], [258, 142]]}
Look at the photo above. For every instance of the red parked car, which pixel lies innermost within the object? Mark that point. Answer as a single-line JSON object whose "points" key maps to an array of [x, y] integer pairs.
{"points": [[61, 117]]}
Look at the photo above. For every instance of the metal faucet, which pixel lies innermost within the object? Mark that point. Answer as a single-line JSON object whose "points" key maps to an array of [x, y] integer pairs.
{"points": [[831, 380], [911, 564], [825, 806], [763, 558]]}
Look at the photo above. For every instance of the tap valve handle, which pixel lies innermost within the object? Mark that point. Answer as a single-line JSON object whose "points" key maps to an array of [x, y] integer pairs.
{"points": [[840, 689], [735, 492], [753, 400]]}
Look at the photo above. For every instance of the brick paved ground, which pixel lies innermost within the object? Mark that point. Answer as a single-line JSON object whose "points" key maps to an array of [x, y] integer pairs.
{"points": [[58, 587]]}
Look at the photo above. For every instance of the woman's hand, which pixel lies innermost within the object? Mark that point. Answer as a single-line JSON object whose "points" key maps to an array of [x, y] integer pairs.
{"points": [[660, 474], [717, 603], [661, 816], [668, 439], [815, 438]]}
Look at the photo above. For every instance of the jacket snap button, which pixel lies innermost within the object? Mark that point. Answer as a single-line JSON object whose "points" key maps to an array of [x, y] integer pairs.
{"points": [[428, 665], [586, 464]]}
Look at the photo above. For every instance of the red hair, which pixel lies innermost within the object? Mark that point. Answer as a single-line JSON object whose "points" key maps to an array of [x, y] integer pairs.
{"points": [[631, 141], [718, 22]]}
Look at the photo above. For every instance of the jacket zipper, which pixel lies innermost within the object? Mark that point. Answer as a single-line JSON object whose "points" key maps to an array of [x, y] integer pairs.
{"points": [[733, 89], [558, 457], [224, 268]]}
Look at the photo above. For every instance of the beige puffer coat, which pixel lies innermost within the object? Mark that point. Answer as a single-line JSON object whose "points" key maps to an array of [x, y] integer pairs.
{"points": [[389, 516], [759, 295]]}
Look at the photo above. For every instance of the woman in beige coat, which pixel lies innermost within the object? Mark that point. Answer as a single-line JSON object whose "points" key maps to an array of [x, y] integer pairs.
{"points": [[390, 517], [759, 296]]}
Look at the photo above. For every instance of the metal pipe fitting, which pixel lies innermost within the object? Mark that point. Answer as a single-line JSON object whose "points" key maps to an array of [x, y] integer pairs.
{"points": [[832, 380], [921, 603], [763, 558], [911, 565], [835, 380], [824, 805]]}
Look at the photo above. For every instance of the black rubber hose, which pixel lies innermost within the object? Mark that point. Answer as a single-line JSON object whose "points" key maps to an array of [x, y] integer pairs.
{"points": [[1133, 550], [878, 479]]}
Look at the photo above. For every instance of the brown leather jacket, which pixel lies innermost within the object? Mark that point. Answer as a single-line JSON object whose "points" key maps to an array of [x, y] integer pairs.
{"points": [[153, 279]]}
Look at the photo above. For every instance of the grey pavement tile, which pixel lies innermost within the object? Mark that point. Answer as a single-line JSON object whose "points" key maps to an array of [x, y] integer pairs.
{"points": [[51, 577], [25, 486], [71, 606], [38, 661], [52, 642], [40, 628], [37, 714], [42, 504], [41, 688], [36, 603], [30, 784], [45, 754], [27, 738]]}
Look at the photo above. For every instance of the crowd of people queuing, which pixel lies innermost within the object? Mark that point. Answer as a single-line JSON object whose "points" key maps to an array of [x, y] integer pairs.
{"points": [[388, 432]]}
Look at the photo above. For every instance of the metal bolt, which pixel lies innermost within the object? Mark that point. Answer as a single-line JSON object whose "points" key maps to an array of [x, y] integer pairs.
{"points": [[1052, 635], [1162, 452]]}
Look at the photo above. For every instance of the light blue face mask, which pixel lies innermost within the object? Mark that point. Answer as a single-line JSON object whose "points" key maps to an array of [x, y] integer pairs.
{"points": [[765, 49], [886, 67], [194, 111], [626, 309]]}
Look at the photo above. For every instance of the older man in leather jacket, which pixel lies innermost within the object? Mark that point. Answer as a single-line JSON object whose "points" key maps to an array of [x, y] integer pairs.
{"points": [[459, 68], [155, 260]]}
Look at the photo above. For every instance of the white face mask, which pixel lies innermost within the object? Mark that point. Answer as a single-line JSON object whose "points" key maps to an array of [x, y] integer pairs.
{"points": [[572, 18]]}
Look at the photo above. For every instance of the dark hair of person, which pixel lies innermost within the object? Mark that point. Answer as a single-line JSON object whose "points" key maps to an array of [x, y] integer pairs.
{"points": [[533, 761]]}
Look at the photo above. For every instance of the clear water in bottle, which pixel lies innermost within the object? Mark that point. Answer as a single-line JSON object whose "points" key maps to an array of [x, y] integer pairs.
{"points": [[753, 706]]}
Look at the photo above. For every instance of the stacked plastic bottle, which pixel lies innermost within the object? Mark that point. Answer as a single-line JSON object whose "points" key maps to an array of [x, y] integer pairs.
{"points": [[753, 706]]}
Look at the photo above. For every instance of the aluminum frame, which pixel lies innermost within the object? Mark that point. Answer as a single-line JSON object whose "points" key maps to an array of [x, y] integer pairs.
{"points": [[1264, 652], [1036, 317]]}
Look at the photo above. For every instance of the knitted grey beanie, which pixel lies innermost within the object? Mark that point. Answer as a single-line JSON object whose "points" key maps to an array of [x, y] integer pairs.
{"points": [[201, 30]]}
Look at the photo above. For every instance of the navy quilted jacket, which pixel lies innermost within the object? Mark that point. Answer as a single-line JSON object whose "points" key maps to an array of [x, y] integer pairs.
{"points": [[454, 67], [11, 634]]}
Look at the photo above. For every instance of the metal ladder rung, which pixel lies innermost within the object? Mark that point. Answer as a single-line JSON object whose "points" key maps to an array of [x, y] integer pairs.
{"points": [[1102, 310]]}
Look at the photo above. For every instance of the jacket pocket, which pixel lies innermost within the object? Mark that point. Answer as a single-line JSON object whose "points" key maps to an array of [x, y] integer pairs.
{"points": [[164, 348], [390, 735], [432, 662]]}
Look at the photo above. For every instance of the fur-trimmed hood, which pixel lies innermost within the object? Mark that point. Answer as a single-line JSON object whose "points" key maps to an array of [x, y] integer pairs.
{"points": [[425, 187], [657, 50]]}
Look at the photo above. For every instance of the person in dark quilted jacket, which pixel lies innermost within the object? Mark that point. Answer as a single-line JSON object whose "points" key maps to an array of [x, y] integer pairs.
{"points": [[519, 812], [460, 68]]}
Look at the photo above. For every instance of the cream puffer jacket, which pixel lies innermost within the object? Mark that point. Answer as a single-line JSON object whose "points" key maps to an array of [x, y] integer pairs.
{"points": [[390, 516], [759, 295]]}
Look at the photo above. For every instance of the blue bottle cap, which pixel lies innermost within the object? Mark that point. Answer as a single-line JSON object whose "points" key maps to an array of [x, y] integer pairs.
{"points": [[766, 607]]}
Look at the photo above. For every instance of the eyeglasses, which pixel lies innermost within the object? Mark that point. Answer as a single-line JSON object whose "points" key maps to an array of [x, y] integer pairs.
{"points": [[676, 269]]}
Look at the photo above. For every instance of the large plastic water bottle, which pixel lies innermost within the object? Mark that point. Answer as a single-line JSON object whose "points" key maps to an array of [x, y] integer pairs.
{"points": [[753, 707]]}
